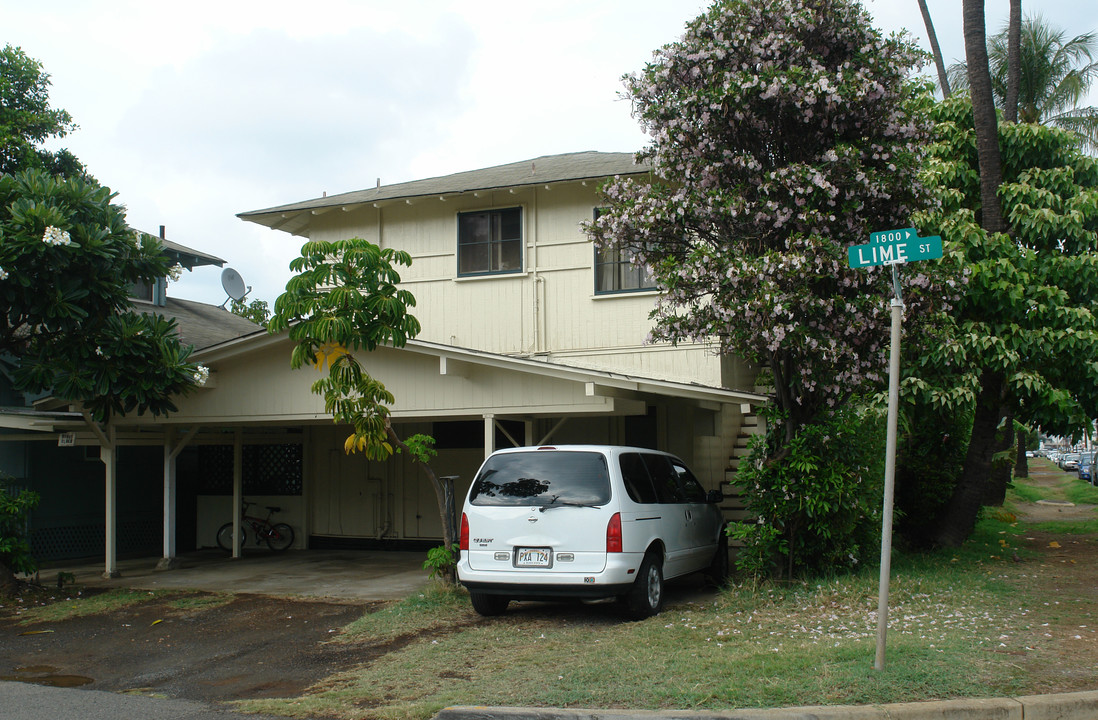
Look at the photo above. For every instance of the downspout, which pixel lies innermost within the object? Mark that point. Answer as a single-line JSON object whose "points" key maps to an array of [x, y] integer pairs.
{"points": [[539, 282]]}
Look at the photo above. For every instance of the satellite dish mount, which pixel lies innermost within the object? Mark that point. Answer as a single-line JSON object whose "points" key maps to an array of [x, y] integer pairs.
{"points": [[234, 286]]}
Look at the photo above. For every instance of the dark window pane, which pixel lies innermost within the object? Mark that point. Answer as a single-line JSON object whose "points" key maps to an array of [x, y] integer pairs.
{"points": [[510, 255], [542, 478], [637, 482], [691, 488], [490, 241], [473, 259], [664, 478]]}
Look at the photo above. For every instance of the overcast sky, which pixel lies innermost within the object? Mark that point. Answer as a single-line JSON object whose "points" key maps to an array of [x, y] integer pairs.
{"points": [[195, 111]]}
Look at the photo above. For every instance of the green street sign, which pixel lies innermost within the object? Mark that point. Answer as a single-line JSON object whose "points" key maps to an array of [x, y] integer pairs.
{"points": [[893, 247]]}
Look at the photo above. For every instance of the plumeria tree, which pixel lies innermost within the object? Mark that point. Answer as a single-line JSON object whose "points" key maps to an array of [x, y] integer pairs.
{"points": [[782, 132], [67, 262]]}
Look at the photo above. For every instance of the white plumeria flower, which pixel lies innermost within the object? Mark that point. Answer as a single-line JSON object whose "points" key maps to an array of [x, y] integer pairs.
{"points": [[56, 236], [3, 274], [201, 375], [175, 273]]}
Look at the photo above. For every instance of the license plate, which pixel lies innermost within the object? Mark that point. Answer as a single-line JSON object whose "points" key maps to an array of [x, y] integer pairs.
{"points": [[534, 557]]}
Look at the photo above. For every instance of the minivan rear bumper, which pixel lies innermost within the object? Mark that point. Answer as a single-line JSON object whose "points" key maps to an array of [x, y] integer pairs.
{"points": [[517, 591], [614, 579]]}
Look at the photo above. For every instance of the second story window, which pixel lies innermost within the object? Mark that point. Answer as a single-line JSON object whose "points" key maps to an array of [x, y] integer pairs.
{"points": [[615, 272], [141, 290], [490, 242]]}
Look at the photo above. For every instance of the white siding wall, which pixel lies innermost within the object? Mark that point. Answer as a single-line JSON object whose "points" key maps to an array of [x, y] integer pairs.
{"points": [[549, 309]]}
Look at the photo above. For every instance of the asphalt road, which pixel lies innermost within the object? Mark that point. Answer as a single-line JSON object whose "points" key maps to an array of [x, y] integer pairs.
{"points": [[23, 701]]}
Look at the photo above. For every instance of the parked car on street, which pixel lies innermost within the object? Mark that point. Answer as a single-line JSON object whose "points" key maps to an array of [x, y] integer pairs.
{"points": [[586, 521], [1069, 461], [1086, 467]]}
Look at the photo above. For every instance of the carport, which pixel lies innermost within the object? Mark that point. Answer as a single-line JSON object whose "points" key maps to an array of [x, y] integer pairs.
{"points": [[359, 575]]}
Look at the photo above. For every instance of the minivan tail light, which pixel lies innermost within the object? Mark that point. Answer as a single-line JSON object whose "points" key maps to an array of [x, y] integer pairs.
{"points": [[613, 534], [463, 534]]}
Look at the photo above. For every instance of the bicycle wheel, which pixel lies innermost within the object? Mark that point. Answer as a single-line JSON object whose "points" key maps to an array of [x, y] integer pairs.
{"points": [[280, 536], [225, 537]]}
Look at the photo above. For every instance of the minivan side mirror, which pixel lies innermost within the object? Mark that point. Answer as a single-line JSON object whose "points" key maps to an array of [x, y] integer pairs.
{"points": [[714, 496]]}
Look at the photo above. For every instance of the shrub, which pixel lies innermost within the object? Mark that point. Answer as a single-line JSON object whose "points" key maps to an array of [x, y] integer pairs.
{"points": [[15, 507], [817, 507]]}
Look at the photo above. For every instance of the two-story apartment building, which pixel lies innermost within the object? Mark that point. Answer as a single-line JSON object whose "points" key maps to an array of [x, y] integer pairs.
{"points": [[530, 336]]}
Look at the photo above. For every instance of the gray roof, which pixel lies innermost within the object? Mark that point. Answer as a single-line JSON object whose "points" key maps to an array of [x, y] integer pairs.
{"points": [[189, 257], [203, 325], [570, 167]]}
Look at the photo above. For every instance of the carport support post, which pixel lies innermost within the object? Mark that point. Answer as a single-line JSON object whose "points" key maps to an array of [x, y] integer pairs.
{"points": [[890, 472], [171, 452], [238, 489], [168, 561], [109, 455], [489, 435]]}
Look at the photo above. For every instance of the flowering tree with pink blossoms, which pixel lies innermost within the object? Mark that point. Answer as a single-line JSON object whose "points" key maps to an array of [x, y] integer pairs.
{"points": [[782, 132]]}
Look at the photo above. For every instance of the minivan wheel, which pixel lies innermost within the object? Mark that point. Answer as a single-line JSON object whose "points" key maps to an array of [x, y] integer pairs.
{"points": [[718, 567], [645, 598], [488, 605]]}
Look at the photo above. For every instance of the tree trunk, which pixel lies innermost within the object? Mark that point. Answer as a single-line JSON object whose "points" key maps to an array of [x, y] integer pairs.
{"points": [[444, 495], [8, 582], [983, 116], [974, 486], [1014, 62], [1021, 465], [943, 79]]}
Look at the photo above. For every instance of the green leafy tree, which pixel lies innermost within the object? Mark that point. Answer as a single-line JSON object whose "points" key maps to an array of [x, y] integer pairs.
{"points": [[15, 553], [1023, 341], [1056, 73], [67, 261], [257, 310], [343, 300], [27, 120]]}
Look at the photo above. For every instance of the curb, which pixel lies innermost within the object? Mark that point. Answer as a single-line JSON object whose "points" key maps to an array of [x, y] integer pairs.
{"points": [[1064, 706]]}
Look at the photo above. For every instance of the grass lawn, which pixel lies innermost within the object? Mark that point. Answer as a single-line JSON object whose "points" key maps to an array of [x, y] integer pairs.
{"points": [[974, 622]]}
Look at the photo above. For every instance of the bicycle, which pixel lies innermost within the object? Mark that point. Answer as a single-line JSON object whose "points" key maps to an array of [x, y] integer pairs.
{"points": [[278, 536]]}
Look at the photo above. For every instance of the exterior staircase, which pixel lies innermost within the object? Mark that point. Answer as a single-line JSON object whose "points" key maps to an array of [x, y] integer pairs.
{"points": [[733, 505]]}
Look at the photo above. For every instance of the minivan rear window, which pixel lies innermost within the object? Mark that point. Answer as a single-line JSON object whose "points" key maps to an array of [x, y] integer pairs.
{"points": [[542, 478]]}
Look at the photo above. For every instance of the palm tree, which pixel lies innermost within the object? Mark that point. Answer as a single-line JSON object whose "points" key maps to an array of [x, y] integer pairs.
{"points": [[1056, 73]]}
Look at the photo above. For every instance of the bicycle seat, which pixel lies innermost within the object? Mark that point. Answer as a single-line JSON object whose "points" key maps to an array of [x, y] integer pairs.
{"points": [[274, 509]]}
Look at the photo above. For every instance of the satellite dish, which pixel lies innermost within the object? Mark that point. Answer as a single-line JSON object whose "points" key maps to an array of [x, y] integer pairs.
{"points": [[233, 285]]}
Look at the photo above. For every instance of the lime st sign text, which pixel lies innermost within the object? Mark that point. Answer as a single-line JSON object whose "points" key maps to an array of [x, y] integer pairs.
{"points": [[893, 247]]}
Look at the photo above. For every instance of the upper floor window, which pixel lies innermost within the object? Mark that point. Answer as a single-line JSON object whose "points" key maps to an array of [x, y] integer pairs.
{"points": [[141, 290], [490, 241], [615, 272]]}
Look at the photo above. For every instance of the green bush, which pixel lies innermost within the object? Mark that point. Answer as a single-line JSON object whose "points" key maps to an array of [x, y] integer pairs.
{"points": [[15, 507], [817, 500]]}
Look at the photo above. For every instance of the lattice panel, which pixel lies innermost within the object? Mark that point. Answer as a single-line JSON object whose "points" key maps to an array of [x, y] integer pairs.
{"points": [[266, 470], [138, 536]]}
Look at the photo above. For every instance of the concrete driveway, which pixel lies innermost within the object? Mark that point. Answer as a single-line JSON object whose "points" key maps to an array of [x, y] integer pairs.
{"points": [[366, 575]]}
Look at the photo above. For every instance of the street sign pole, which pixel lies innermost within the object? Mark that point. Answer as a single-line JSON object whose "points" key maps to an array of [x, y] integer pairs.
{"points": [[890, 470], [895, 248]]}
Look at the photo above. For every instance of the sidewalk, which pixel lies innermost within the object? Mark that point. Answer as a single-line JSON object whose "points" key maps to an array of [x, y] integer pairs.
{"points": [[1067, 706]]}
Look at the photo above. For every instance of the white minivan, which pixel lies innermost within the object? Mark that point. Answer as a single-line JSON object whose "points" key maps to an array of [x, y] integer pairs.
{"points": [[586, 521]]}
